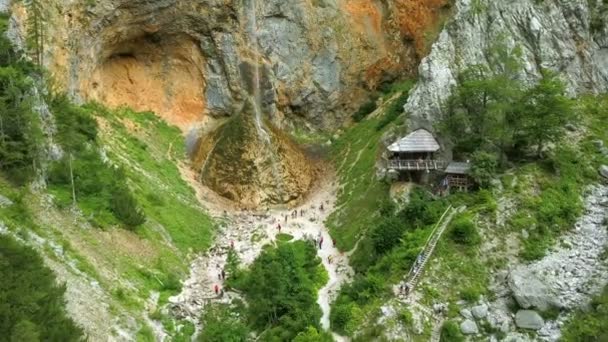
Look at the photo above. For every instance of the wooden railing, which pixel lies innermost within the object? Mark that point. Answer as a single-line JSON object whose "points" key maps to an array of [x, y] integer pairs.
{"points": [[402, 164]]}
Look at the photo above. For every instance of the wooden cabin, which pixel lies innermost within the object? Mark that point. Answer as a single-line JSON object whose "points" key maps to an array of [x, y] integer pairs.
{"points": [[415, 152], [457, 176]]}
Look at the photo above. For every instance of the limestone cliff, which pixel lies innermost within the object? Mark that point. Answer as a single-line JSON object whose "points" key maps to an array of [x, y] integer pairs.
{"points": [[181, 58], [567, 36], [191, 62]]}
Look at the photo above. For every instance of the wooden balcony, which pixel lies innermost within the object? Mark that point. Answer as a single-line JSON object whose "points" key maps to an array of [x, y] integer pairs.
{"points": [[416, 165]]}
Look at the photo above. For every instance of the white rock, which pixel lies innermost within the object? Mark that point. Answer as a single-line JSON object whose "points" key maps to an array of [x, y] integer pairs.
{"points": [[480, 311], [469, 327], [529, 319], [466, 313]]}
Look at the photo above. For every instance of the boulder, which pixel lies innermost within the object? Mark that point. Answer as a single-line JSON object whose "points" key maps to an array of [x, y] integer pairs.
{"points": [[570, 127], [480, 311], [469, 327], [604, 171], [529, 319], [530, 292], [466, 313]]}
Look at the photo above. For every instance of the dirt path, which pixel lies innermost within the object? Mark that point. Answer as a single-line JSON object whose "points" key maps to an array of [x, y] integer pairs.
{"points": [[247, 232]]}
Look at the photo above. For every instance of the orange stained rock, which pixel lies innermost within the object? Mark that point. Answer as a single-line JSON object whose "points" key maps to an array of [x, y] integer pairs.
{"points": [[416, 17], [165, 80]]}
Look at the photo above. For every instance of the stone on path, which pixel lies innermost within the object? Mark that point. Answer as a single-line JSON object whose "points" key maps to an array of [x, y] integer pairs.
{"points": [[480, 311], [466, 313], [529, 319], [469, 327], [529, 291]]}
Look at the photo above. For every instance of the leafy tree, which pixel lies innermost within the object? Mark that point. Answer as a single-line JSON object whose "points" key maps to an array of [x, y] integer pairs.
{"points": [[221, 324], [313, 335], [545, 112], [483, 168], [280, 287], [32, 306]]}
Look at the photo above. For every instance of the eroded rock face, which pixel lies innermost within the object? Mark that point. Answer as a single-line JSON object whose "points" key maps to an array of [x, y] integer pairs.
{"points": [[191, 62], [322, 57], [561, 35]]}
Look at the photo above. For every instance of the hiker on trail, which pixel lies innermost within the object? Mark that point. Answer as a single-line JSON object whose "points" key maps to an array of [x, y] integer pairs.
{"points": [[217, 289], [285, 218], [219, 276], [407, 289], [222, 293], [321, 243], [223, 274], [334, 242], [401, 289], [321, 207], [301, 212], [330, 259], [279, 228]]}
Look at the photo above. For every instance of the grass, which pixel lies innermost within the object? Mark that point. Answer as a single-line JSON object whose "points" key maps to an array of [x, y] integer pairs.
{"points": [[355, 154], [149, 156]]}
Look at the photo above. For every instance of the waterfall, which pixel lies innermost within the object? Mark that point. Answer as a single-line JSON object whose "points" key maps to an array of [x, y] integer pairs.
{"points": [[256, 99], [256, 96]]}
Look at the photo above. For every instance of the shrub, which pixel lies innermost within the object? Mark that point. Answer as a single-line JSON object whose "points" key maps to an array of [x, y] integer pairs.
{"points": [[366, 109], [450, 332], [124, 207], [393, 111], [463, 231]]}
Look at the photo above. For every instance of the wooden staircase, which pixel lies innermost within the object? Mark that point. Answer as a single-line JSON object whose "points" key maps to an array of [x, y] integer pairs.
{"points": [[411, 279]]}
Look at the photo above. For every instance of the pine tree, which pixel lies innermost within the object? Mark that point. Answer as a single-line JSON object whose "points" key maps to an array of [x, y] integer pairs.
{"points": [[36, 29]]}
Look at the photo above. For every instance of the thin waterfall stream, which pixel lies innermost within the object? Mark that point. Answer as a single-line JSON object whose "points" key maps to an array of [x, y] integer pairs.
{"points": [[256, 97]]}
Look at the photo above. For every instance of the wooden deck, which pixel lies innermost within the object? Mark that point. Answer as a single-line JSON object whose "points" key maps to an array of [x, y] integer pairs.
{"points": [[416, 165]]}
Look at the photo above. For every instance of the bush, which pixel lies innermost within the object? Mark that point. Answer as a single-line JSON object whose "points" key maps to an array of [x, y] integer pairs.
{"points": [[589, 325], [366, 109], [463, 231], [393, 111], [124, 207], [450, 332]]}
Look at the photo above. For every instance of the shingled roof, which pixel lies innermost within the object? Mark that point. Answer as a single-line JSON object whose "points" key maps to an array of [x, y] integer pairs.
{"points": [[458, 168], [419, 140]]}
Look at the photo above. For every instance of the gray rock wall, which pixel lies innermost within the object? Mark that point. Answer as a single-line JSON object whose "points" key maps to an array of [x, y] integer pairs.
{"points": [[553, 34]]}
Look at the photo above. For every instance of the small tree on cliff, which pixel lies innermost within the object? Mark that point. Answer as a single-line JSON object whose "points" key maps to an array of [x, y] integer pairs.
{"points": [[35, 29]]}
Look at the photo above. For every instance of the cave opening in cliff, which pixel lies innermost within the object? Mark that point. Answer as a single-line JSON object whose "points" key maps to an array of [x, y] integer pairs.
{"points": [[153, 72]]}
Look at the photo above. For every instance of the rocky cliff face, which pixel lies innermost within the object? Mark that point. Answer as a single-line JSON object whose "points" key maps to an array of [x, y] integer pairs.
{"points": [[320, 57], [191, 61], [567, 36]]}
